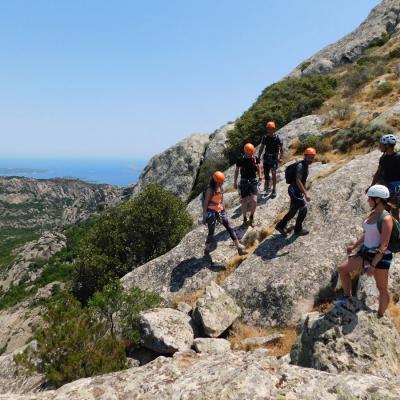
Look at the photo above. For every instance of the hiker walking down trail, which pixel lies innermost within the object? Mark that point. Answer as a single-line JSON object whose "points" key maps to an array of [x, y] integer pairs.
{"points": [[376, 248], [214, 211], [272, 155], [296, 175], [388, 171], [249, 167]]}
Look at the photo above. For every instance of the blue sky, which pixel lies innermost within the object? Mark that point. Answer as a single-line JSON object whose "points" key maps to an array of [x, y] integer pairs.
{"points": [[127, 79]]}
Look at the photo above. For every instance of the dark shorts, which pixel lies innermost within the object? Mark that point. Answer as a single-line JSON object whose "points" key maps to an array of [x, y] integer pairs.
{"points": [[248, 187], [270, 161], [394, 189], [368, 255]]}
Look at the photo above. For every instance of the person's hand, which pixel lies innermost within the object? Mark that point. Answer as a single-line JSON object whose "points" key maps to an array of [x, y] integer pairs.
{"points": [[307, 196], [370, 270], [235, 185], [349, 249]]}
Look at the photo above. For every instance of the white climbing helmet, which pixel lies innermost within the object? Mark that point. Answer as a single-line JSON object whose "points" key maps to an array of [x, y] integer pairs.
{"points": [[378, 191], [388, 139]]}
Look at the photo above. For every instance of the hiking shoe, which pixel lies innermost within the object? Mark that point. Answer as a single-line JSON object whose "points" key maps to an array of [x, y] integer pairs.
{"points": [[252, 221], [273, 194], [301, 232], [281, 230], [242, 250], [341, 300]]}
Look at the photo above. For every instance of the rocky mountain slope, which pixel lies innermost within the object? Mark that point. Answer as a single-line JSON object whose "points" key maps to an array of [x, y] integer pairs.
{"points": [[342, 352]]}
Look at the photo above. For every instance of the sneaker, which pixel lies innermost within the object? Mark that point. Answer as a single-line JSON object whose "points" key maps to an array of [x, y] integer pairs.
{"points": [[342, 300], [252, 221], [242, 250], [273, 194], [281, 230], [301, 232]]}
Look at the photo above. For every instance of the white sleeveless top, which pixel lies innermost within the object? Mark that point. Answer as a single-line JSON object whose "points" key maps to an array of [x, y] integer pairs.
{"points": [[372, 236]]}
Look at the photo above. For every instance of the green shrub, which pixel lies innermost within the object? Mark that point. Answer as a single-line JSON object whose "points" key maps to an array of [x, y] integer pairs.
{"points": [[127, 236], [395, 53], [281, 102], [383, 89], [305, 65], [378, 42], [370, 60], [313, 141], [120, 310], [73, 345], [367, 136]]}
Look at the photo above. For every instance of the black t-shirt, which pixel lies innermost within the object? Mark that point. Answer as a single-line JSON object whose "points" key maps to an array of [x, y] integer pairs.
{"points": [[248, 166], [302, 169], [272, 144], [390, 165]]}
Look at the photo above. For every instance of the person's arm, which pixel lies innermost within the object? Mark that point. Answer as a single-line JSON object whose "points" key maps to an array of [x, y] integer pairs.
{"points": [[355, 245], [207, 197], [236, 177], [259, 172], [377, 175], [281, 152], [301, 187], [387, 226], [262, 146]]}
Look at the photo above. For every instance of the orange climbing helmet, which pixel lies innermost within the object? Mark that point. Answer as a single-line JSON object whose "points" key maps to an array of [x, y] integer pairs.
{"points": [[271, 125], [310, 151], [218, 177], [249, 148]]}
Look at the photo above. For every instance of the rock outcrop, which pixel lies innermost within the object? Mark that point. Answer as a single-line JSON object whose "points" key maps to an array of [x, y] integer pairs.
{"points": [[176, 168], [166, 331], [31, 203], [215, 311], [228, 376], [382, 20]]}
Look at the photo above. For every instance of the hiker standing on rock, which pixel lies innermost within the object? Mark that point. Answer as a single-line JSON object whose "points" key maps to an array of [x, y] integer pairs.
{"points": [[389, 171], [296, 175], [214, 211], [249, 167], [273, 154], [374, 251]]}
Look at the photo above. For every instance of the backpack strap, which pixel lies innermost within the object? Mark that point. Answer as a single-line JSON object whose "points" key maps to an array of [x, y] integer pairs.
{"points": [[380, 220]]}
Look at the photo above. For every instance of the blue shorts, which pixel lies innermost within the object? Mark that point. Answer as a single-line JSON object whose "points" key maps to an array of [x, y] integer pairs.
{"points": [[394, 190], [368, 255]]}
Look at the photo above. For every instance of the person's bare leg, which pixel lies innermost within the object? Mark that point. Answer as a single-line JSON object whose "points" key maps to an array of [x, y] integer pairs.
{"points": [[345, 268], [273, 173], [381, 278], [244, 207]]}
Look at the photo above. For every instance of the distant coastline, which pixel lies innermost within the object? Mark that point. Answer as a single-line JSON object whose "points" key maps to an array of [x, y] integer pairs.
{"points": [[23, 171]]}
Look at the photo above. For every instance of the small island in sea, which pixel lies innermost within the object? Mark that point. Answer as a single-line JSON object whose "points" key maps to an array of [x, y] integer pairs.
{"points": [[22, 171]]}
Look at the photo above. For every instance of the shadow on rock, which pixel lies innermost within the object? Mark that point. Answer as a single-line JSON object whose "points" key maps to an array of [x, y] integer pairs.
{"points": [[188, 268], [270, 247]]}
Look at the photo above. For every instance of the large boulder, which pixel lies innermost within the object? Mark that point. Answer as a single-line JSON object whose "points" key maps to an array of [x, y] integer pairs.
{"points": [[208, 345], [382, 20], [285, 276], [215, 311], [216, 146], [176, 168], [225, 376], [349, 338], [165, 330]]}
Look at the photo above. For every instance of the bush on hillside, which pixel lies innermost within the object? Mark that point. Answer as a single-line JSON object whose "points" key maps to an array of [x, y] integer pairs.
{"points": [[315, 141], [359, 135], [72, 345], [120, 310], [382, 90], [282, 102], [127, 236]]}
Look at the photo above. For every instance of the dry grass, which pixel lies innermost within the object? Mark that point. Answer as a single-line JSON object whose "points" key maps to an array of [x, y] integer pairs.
{"points": [[394, 314], [230, 267], [189, 298], [277, 348]]}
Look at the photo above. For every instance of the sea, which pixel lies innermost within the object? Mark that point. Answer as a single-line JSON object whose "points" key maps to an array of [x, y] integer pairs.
{"points": [[113, 172]]}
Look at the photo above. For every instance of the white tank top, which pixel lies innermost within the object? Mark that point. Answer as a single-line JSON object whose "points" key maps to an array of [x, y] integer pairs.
{"points": [[372, 236]]}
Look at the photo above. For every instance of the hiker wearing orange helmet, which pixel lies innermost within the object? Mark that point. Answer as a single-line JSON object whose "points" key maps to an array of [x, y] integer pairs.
{"points": [[249, 166], [272, 155], [214, 212], [296, 175]]}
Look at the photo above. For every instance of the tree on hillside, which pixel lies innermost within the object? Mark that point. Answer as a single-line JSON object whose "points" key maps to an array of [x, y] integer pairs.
{"points": [[127, 236]]}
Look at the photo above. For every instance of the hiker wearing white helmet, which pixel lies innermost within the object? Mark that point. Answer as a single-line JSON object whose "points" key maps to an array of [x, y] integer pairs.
{"points": [[388, 171], [374, 252]]}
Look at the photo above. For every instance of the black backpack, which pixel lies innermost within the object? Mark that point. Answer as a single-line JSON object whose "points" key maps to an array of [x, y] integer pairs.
{"points": [[290, 172]]}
